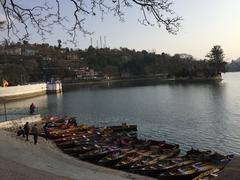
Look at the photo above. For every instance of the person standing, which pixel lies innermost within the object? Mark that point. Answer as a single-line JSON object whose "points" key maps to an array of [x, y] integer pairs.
{"points": [[34, 131], [45, 127], [26, 130], [32, 109]]}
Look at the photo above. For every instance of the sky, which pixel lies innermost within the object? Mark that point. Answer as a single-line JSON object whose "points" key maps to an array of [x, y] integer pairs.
{"points": [[205, 23]]}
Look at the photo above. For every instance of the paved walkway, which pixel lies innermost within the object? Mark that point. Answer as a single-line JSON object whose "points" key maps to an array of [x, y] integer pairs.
{"points": [[10, 170], [231, 171], [24, 160]]}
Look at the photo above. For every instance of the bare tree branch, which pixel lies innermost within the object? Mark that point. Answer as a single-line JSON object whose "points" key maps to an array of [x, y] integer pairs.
{"points": [[19, 18]]}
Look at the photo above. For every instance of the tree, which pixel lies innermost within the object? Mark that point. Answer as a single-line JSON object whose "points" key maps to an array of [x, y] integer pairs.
{"points": [[59, 43], [21, 15], [216, 59]]}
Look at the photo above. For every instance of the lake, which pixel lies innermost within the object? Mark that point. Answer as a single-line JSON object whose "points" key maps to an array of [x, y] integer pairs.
{"points": [[199, 115]]}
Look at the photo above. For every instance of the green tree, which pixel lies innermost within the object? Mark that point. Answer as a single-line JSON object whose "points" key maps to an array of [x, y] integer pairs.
{"points": [[15, 74], [216, 59]]}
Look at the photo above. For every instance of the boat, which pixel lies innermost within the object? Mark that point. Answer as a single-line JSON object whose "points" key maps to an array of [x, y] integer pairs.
{"points": [[86, 146], [73, 143], [191, 171], [111, 144], [113, 158], [131, 145], [158, 165], [127, 161], [62, 135], [78, 136], [80, 149], [123, 127], [154, 158], [59, 136], [211, 174], [108, 131], [95, 155]]}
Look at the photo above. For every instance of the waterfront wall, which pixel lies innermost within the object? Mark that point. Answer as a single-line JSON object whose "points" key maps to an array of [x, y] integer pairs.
{"points": [[30, 90], [20, 121], [18, 92]]}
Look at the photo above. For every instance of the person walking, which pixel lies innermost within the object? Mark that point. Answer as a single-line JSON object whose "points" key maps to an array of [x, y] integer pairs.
{"points": [[26, 130], [45, 128], [34, 131]]}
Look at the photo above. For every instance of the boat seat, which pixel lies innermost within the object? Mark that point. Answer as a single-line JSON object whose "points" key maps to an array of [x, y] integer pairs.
{"points": [[196, 167], [181, 171]]}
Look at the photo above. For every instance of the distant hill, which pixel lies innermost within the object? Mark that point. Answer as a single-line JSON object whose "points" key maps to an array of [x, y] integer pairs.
{"points": [[234, 66]]}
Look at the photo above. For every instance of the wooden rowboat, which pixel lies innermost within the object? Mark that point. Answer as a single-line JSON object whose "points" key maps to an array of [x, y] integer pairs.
{"points": [[153, 158], [131, 158], [154, 167], [191, 171]]}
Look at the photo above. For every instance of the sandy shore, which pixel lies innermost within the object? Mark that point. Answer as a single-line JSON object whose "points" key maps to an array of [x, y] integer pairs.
{"points": [[24, 160]]}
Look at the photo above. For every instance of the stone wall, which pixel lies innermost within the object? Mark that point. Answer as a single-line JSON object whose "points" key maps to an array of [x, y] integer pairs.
{"points": [[20, 122]]}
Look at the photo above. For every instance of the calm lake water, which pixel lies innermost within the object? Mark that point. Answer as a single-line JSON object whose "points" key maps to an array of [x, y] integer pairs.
{"points": [[199, 115]]}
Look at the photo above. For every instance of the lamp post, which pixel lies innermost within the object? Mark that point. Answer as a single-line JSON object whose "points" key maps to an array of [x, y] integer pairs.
{"points": [[5, 109]]}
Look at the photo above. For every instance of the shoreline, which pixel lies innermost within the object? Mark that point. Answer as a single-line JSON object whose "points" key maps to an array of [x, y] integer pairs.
{"points": [[162, 80], [46, 161], [8, 97]]}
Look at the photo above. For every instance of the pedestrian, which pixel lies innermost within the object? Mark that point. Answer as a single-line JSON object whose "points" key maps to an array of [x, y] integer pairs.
{"points": [[32, 109], [20, 132], [34, 131], [45, 128], [26, 130]]}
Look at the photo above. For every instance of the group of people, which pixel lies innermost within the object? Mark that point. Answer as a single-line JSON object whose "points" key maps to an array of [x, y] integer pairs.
{"points": [[24, 132]]}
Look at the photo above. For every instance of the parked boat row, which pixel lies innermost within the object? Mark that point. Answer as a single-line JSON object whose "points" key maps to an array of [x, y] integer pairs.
{"points": [[118, 147]]}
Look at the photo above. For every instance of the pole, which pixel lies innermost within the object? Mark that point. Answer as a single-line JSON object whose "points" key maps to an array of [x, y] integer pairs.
{"points": [[21, 79], [2, 101], [5, 111]]}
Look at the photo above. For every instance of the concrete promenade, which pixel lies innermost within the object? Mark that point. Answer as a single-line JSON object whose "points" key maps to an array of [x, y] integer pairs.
{"points": [[231, 171]]}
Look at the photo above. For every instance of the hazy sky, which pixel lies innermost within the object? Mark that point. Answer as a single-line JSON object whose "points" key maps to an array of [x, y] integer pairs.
{"points": [[205, 23]]}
